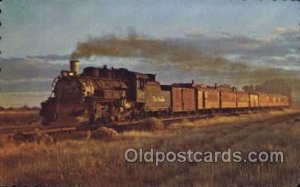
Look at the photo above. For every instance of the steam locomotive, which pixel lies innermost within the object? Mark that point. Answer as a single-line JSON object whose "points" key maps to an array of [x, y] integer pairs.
{"points": [[107, 95]]}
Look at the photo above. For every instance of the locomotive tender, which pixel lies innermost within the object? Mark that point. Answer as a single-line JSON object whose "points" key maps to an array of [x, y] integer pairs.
{"points": [[109, 95]]}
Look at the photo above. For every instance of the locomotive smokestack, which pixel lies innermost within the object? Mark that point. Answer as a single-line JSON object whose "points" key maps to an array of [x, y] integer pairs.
{"points": [[75, 66]]}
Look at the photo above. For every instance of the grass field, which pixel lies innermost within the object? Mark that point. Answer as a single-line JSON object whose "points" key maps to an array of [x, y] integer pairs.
{"points": [[89, 162], [15, 117]]}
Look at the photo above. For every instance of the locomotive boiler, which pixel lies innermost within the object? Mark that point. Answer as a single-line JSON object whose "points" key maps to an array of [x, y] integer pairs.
{"points": [[99, 93]]}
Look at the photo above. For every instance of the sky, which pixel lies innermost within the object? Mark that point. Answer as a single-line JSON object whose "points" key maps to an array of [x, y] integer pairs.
{"points": [[38, 37]]}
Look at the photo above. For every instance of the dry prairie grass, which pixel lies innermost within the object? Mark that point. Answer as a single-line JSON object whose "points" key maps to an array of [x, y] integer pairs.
{"points": [[18, 118], [101, 163]]}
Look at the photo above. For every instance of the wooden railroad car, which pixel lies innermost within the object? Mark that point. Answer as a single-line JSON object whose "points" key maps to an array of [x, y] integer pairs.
{"points": [[285, 101], [264, 100], [243, 99], [208, 98], [183, 99], [271, 100], [227, 99], [253, 100]]}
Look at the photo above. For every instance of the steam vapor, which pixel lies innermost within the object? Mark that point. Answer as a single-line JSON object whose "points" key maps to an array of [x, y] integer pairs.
{"points": [[182, 53], [136, 46]]}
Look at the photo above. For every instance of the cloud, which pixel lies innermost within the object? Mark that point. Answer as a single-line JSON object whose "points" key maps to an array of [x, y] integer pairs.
{"points": [[252, 50], [25, 74], [50, 57], [24, 80], [225, 43], [194, 33], [281, 30], [20, 68]]}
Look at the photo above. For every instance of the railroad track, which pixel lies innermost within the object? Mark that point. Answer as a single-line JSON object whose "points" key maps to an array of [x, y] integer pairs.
{"points": [[121, 126], [29, 132]]}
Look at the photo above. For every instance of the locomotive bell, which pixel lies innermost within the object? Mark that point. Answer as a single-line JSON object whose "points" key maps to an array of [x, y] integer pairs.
{"points": [[75, 66]]}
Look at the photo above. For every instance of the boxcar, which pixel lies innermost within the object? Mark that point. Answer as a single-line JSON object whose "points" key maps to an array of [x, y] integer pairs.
{"points": [[200, 98], [264, 100], [157, 99], [272, 100], [254, 100], [227, 99], [285, 101], [207, 97], [211, 99], [243, 99], [277, 100], [282, 100], [183, 99]]}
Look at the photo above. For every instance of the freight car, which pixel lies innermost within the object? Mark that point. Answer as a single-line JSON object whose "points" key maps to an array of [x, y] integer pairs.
{"points": [[228, 99], [107, 95], [208, 98], [254, 100], [242, 99], [183, 98]]}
